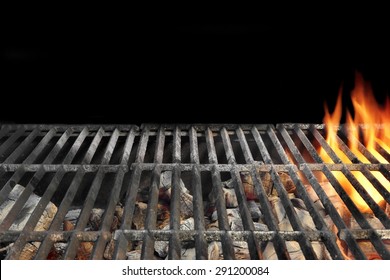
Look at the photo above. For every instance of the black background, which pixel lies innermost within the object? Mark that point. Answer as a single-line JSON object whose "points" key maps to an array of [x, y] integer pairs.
{"points": [[89, 72]]}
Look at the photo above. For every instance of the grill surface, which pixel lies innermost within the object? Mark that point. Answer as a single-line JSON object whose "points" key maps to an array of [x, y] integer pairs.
{"points": [[100, 167]]}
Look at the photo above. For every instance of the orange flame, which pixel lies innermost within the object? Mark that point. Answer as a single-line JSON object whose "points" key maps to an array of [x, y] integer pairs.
{"points": [[376, 131]]}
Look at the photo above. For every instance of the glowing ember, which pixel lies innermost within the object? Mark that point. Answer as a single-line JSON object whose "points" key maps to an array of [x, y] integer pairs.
{"points": [[376, 121]]}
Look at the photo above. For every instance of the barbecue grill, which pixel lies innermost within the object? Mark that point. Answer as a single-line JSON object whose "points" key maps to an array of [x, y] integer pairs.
{"points": [[111, 169]]}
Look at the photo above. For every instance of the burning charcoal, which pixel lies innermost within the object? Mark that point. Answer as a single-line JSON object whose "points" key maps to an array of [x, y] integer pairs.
{"points": [[232, 212], [254, 210], [84, 251], [161, 247], [260, 227], [230, 198], [366, 246], [187, 224], [163, 215], [214, 216], [240, 244], [278, 208], [134, 255], [268, 183], [188, 254], [247, 184], [73, 215], [60, 248], [186, 199], [28, 208], [387, 209], [186, 205], [287, 182], [213, 251], [241, 253], [213, 225], [109, 251], [293, 247], [298, 203], [85, 248], [139, 215], [43, 223], [235, 224], [95, 218]]}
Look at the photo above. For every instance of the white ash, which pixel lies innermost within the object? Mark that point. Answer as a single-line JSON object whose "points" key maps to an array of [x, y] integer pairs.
{"points": [[166, 182], [254, 210], [27, 210], [161, 247]]}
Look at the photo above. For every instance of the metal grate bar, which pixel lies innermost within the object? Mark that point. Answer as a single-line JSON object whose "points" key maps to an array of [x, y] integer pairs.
{"points": [[174, 222], [382, 151], [8, 143], [174, 252], [93, 147], [228, 146], [244, 146], [128, 146], [384, 168], [216, 235], [142, 146], [68, 167], [19, 244], [376, 241], [62, 210], [57, 148], [362, 149], [4, 131], [128, 211], [12, 214], [330, 243], [360, 189], [158, 155], [200, 242], [17, 153], [45, 199], [76, 146], [329, 207], [71, 250], [253, 245], [176, 156], [151, 215], [194, 153], [212, 154], [39, 148], [107, 218], [131, 196], [306, 246], [227, 242], [113, 201], [82, 221], [110, 147], [279, 244], [7, 188], [19, 171]]}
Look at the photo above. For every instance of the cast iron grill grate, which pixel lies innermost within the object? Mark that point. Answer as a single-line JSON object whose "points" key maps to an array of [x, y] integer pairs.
{"points": [[113, 168]]}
